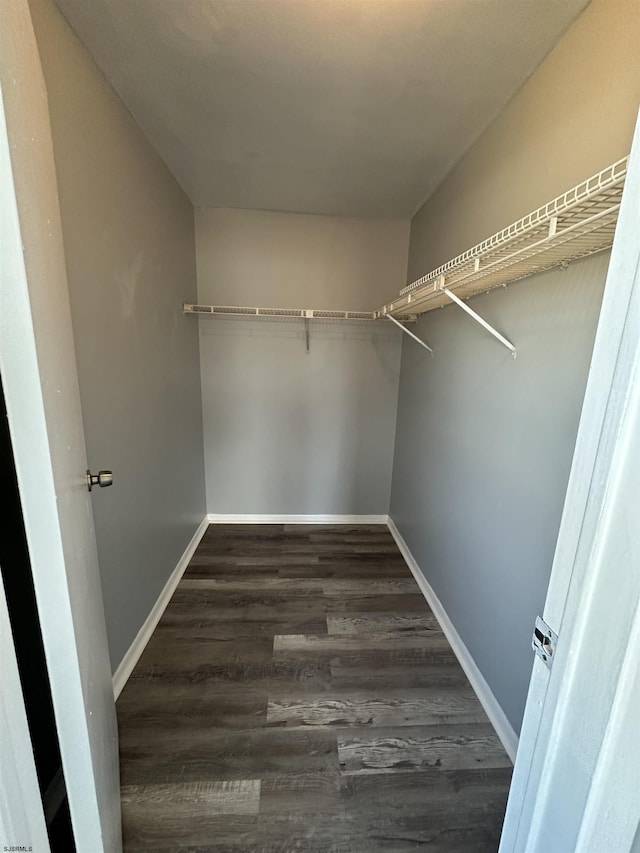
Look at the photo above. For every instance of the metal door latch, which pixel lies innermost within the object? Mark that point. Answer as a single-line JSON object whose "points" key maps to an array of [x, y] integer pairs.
{"points": [[544, 641], [102, 479]]}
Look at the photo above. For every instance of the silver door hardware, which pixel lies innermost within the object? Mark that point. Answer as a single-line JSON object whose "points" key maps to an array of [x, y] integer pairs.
{"points": [[544, 641], [102, 479]]}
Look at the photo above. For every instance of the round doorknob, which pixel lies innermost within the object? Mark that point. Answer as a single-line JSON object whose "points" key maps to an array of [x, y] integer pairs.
{"points": [[102, 479]]}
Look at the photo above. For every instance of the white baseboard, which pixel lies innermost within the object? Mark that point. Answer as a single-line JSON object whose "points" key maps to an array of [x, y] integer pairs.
{"points": [[131, 658], [222, 518], [492, 708]]}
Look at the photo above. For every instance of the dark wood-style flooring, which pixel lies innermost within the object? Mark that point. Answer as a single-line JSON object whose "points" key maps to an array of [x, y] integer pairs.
{"points": [[299, 695]]}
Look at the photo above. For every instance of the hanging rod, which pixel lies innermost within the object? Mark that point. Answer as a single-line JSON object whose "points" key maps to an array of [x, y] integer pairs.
{"points": [[407, 332], [306, 314], [286, 313]]}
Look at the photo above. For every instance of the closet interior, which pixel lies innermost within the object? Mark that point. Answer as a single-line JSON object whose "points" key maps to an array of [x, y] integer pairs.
{"points": [[258, 364], [337, 263]]}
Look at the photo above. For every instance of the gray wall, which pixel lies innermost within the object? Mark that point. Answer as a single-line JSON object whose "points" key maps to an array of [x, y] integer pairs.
{"points": [[295, 260], [129, 244], [286, 431], [482, 458], [483, 444], [573, 117], [297, 433]]}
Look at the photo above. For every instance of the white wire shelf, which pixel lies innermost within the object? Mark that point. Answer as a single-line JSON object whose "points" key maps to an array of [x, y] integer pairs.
{"points": [[285, 313], [579, 223]]}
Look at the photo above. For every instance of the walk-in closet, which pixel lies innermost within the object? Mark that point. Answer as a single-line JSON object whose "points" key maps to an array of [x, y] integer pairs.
{"points": [[318, 343]]}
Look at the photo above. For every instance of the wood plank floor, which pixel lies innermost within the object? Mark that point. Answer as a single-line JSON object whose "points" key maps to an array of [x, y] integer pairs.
{"points": [[298, 696]]}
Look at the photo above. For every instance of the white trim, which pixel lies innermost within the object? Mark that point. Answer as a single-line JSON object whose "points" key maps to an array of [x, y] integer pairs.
{"points": [[496, 715], [222, 518], [131, 658]]}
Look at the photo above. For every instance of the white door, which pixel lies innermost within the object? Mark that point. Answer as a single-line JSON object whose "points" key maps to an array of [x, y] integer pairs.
{"points": [[577, 773], [37, 362]]}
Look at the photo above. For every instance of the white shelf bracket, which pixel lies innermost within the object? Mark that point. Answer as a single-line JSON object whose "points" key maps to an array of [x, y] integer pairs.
{"points": [[407, 332], [480, 320]]}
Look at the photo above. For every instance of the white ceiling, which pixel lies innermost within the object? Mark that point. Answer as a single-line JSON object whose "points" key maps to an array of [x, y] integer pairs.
{"points": [[345, 107]]}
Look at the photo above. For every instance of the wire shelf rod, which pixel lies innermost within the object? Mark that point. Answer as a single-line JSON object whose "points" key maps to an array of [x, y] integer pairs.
{"points": [[577, 224], [284, 313], [611, 177]]}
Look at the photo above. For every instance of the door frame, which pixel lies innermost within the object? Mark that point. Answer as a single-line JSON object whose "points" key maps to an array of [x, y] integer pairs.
{"points": [[22, 822], [38, 365], [577, 774]]}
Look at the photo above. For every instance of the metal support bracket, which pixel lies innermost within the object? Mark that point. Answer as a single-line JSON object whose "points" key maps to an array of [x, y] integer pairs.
{"points": [[406, 331], [479, 319]]}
